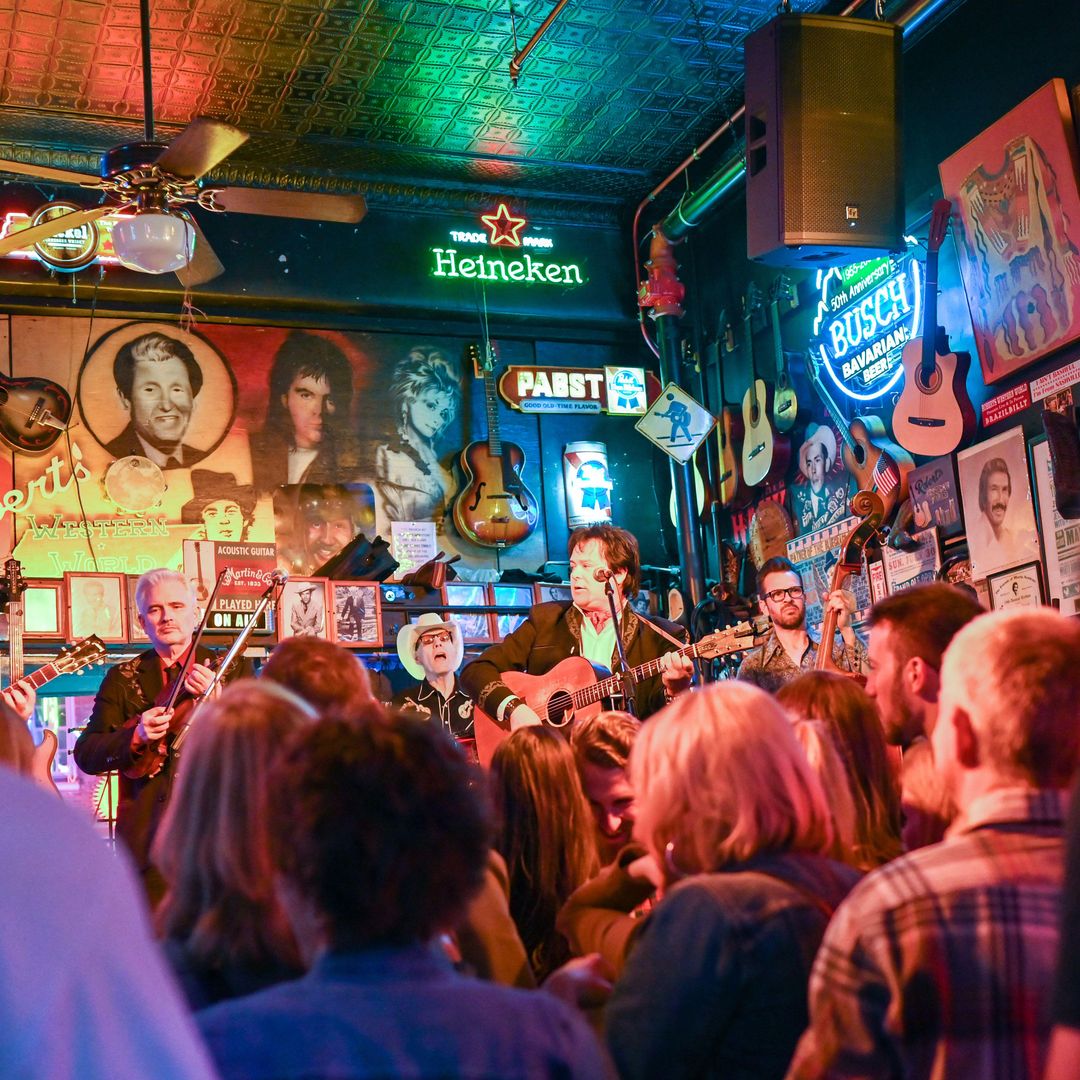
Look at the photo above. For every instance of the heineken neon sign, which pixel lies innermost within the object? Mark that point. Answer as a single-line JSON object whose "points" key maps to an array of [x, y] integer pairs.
{"points": [[511, 264], [866, 313]]}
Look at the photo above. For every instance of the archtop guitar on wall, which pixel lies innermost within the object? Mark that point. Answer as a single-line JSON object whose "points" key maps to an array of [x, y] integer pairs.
{"points": [[934, 414], [495, 508]]}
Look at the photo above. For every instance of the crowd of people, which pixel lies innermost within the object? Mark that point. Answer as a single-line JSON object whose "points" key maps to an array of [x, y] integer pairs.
{"points": [[782, 874]]}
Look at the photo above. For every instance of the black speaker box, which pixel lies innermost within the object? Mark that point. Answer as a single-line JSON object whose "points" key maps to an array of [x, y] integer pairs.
{"points": [[823, 171]]}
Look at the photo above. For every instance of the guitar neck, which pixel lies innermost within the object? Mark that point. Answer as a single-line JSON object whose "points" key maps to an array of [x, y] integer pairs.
{"points": [[778, 348], [832, 408], [491, 404], [15, 641], [38, 678], [929, 327], [597, 691], [748, 344]]}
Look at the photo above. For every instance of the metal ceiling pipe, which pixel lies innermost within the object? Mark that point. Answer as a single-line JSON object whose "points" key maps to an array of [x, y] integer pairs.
{"points": [[694, 207], [541, 30]]}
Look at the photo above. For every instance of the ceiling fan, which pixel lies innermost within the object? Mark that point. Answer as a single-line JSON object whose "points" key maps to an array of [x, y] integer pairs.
{"points": [[155, 184]]}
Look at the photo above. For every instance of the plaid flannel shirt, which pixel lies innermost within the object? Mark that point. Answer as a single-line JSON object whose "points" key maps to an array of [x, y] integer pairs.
{"points": [[940, 964]]}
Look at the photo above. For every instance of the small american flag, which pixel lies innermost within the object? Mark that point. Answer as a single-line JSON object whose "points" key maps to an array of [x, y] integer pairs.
{"points": [[886, 475]]}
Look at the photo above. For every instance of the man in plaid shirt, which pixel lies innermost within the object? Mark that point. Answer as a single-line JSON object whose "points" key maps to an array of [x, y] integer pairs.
{"points": [[940, 963]]}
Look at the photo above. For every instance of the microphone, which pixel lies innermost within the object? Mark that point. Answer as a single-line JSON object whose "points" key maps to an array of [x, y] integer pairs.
{"points": [[601, 574], [278, 577]]}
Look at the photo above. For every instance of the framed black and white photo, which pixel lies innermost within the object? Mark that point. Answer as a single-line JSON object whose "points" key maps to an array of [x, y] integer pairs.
{"points": [[475, 626], [357, 613], [999, 511], [43, 609], [1020, 587], [303, 609], [135, 630], [546, 593], [97, 604]]}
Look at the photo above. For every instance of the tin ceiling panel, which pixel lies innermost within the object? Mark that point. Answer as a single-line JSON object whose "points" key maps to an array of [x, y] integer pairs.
{"points": [[345, 93]]}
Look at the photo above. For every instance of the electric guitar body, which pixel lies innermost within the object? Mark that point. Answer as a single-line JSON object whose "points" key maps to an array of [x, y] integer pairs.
{"points": [[495, 508]]}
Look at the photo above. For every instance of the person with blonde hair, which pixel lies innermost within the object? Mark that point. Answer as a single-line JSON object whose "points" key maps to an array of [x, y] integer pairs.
{"points": [[736, 819], [941, 962], [852, 719], [544, 832], [819, 744], [224, 931]]}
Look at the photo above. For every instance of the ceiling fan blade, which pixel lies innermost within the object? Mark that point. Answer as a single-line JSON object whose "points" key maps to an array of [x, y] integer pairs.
{"points": [[45, 172], [25, 238], [204, 265], [199, 147], [292, 204]]}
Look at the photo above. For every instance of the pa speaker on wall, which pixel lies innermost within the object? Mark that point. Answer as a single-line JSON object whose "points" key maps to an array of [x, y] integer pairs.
{"points": [[823, 175]]}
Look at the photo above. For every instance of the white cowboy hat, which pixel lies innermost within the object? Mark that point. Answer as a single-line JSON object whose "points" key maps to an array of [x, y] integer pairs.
{"points": [[824, 436], [409, 635]]}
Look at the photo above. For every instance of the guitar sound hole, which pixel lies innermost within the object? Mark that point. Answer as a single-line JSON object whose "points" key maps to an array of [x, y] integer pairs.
{"points": [[560, 709]]}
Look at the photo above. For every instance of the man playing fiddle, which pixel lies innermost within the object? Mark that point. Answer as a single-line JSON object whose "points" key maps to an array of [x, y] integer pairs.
{"points": [[554, 631], [127, 722], [789, 650]]}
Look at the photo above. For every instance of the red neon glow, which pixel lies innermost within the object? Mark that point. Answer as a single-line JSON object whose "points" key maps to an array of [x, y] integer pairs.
{"points": [[505, 228]]}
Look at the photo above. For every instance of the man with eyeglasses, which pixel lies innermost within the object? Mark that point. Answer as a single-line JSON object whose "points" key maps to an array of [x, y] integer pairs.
{"points": [[789, 650], [431, 649]]}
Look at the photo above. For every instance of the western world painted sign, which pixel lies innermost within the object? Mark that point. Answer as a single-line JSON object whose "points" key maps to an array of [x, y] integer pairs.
{"points": [[867, 312]]}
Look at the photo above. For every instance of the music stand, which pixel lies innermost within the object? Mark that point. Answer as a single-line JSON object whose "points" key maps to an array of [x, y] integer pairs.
{"points": [[361, 560]]}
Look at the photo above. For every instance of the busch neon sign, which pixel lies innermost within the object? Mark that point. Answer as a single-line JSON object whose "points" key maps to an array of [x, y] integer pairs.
{"points": [[866, 313]]}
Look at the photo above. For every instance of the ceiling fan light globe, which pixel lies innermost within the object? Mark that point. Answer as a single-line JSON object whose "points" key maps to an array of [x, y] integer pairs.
{"points": [[154, 243]]}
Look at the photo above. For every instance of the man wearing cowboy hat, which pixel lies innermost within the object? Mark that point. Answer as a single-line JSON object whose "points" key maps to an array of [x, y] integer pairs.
{"points": [[431, 650], [306, 618], [220, 505], [822, 500]]}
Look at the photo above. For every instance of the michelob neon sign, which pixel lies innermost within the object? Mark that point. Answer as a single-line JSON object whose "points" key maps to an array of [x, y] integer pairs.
{"points": [[866, 313]]}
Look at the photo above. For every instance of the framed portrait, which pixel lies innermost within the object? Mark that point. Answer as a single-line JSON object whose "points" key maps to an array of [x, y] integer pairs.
{"points": [[1014, 192], [303, 609], [1061, 536], [43, 609], [545, 593], [357, 613], [135, 630], [510, 596], [96, 604], [1020, 587], [475, 626], [999, 511]]}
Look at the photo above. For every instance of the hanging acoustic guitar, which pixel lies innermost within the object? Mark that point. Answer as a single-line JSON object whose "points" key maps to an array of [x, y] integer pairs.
{"points": [[765, 455], [495, 508], [33, 413], [785, 405], [934, 415]]}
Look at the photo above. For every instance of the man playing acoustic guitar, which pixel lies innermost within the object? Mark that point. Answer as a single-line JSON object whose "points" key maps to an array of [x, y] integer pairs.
{"points": [[584, 627], [126, 724]]}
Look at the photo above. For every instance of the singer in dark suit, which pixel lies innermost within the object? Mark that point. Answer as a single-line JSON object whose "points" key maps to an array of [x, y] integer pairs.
{"points": [[583, 627], [126, 724]]}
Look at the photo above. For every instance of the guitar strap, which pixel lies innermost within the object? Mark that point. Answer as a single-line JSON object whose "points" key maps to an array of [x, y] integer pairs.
{"points": [[661, 631]]}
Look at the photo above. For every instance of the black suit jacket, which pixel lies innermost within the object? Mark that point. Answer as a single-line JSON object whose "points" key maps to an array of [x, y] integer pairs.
{"points": [[127, 443], [551, 633], [127, 690]]}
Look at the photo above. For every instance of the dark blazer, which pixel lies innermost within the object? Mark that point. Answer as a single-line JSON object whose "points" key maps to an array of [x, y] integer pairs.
{"points": [[551, 633], [127, 690], [127, 443]]}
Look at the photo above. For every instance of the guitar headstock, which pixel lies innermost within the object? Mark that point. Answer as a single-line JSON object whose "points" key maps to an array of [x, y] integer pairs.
{"points": [[481, 356], [737, 638], [14, 585], [782, 291], [939, 224], [73, 658]]}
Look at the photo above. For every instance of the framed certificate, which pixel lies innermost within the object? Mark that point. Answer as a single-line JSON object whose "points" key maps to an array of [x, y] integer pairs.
{"points": [[1020, 587]]}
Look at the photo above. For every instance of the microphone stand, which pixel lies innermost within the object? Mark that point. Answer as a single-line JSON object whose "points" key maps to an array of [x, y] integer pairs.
{"points": [[230, 656], [626, 675]]}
